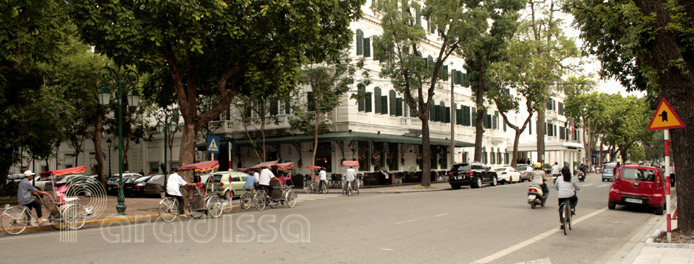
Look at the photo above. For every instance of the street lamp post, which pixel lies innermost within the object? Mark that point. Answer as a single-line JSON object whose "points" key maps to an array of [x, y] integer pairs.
{"points": [[119, 78], [108, 140]]}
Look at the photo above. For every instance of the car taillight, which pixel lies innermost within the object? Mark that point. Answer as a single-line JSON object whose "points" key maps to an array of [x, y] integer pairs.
{"points": [[531, 190], [450, 174], [221, 184], [108, 182], [469, 173], [657, 179]]}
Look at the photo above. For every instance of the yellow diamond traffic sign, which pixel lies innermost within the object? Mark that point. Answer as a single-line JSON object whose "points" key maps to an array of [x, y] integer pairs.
{"points": [[665, 117]]}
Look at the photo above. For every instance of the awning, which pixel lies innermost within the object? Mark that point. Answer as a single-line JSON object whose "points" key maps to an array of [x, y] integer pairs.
{"points": [[56, 173], [266, 164], [285, 166], [314, 167], [201, 166], [355, 136], [350, 163]]}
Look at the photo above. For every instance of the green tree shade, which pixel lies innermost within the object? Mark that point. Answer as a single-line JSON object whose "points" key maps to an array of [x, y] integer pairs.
{"points": [[216, 47], [649, 45], [30, 33]]}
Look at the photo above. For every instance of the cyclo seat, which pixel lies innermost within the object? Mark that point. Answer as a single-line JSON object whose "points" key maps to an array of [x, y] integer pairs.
{"points": [[276, 187]]}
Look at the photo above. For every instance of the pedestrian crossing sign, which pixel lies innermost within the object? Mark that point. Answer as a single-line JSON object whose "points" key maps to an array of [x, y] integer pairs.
{"points": [[213, 144], [664, 117]]}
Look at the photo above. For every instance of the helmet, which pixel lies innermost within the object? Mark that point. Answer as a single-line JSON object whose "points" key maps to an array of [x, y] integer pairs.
{"points": [[537, 166]]}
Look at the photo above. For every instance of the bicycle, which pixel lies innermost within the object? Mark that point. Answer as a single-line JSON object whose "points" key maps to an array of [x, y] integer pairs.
{"points": [[71, 215], [565, 215], [347, 188], [246, 199], [311, 188], [210, 205]]}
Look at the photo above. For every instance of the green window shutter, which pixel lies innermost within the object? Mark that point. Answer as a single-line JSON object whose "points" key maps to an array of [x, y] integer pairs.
{"points": [[466, 116], [393, 101], [495, 124], [418, 13], [309, 101], [466, 80], [367, 103], [360, 42], [360, 98], [458, 79], [398, 109], [458, 116], [549, 104], [384, 104], [443, 73], [273, 107], [502, 121], [561, 132], [367, 47], [555, 130], [448, 114], [530, 127], [287, 107], [377, 99], [561, 108]]}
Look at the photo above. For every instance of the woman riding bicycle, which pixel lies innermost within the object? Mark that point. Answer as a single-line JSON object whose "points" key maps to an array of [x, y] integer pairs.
{"points": [[566, 190]]}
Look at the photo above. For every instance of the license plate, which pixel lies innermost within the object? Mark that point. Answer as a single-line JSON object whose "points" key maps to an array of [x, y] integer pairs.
{"points": [[531, 197], [632, 200]]}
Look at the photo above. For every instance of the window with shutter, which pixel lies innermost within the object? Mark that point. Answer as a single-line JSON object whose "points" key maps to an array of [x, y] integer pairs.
{"points": [[309, 101], [432, 112], [384, 104], [361, 92], [377, 99], [459, 116], [448, 114], [561, 108], [398, 108], [549, 104], [287, 107], [466, 80], [273, 107], [561, 132], [495, 123], [466, 116], [488, 119], [430, 62], [418, 13], [530, 127], [555, 130], [360, 42], [367, 47], [367, 103], [393, 101]]}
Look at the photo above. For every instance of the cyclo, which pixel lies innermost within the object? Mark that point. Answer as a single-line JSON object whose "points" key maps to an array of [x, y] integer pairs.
{"points": [[281, 193], [200, 201], [349, 186], [313, 186], [64, 212]]}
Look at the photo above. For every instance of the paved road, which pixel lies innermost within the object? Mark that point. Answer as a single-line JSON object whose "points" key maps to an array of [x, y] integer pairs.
{"points": [[491, 224]]}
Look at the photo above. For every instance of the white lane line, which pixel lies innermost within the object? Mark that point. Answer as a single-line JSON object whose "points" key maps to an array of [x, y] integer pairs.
{"points": [[539, 237], [603, 185], [588, 184], [419, 219]]}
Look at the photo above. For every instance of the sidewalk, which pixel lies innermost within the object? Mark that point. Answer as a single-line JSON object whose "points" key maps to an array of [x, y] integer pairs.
{"points": [[140, 210], [648, 251]]}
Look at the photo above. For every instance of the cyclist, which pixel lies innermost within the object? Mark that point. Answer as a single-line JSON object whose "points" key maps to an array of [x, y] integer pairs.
{"points": [[24, 192], [556, 171], [265, 176], [323, 177], [173, 186], [566, 190], [349, 177]]}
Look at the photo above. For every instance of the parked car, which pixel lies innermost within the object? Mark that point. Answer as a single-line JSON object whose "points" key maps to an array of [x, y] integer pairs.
{"points": [[638, 185], [112, 183], [524, 170], [507, 175], [607, 170], [135, 186], [154, 187], [229, 184], [474, 174]]}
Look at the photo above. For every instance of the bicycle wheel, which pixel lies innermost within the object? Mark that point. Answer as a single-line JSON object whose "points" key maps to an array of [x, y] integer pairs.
{"points": [[14, 220], [324, 188], [291, 199], [214, 207], [259, 200], [568, 215], [356, 186], [309, 187], [226, 202], [246, 200], [74, 216], [272, 203], [563, 218], [168, 209]]}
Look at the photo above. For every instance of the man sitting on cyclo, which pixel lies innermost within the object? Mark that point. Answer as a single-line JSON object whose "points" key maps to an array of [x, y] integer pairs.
{"points": [[251, 183], [265, 176], [24, 192]]}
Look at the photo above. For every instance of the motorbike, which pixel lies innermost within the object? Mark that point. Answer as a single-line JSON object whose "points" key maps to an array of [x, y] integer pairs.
{"points": [[536, 196], [581, 176]]}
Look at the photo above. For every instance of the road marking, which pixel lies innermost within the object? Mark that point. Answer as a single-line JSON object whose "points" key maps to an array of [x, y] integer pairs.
{"points": [[537, 261], [603, 185], [387, 249], [419, 219], [586, 185], [539, 237]]}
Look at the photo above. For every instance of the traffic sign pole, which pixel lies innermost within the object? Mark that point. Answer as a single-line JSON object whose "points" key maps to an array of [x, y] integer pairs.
{"points": [[667, 183]]}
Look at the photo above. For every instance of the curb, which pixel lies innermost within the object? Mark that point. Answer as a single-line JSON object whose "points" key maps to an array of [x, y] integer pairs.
{"points": [[132, 219]]}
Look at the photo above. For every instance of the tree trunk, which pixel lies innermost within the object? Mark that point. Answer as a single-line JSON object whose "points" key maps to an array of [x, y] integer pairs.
{"points": [[516, 137], [678, 88], [426, 151], [479, 122], [5, 164], [98, 128], [541, 130], [187, 153], [315, 132]]}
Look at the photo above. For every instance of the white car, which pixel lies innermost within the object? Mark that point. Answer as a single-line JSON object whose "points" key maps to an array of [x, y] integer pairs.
{"points": [[507, 175]]}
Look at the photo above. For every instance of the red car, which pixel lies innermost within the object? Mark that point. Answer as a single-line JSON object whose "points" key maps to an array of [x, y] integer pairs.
{"points": [[638, 185]]}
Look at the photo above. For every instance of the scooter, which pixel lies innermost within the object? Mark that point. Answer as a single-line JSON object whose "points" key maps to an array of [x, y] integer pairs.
{"points": [[536, 196], [581, 176]]}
